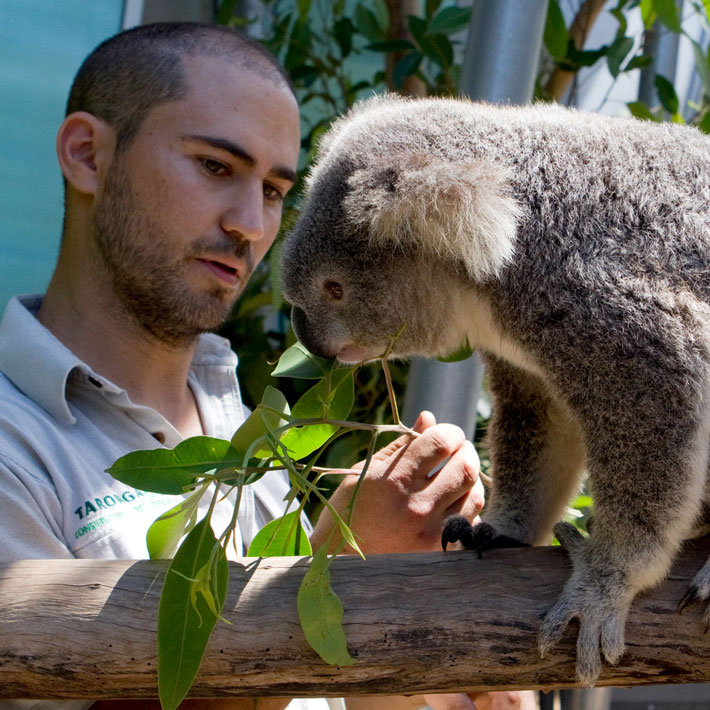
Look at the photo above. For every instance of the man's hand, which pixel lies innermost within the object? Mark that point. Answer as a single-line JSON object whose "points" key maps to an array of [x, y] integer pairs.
{"points": [[411, 487], [499, 700]]}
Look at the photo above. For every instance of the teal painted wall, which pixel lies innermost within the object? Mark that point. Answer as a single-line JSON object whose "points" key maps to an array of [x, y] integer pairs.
{"points": [[42, 44]]}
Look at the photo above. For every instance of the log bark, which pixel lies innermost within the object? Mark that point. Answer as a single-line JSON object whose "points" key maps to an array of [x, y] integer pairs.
{"points": [[415, 623]]}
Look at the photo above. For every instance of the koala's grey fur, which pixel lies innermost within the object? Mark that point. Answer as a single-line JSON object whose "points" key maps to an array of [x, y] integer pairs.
{"points": [[573, 251]]}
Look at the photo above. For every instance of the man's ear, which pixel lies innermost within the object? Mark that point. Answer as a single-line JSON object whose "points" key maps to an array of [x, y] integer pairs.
{"points": [[458, 210], [85, 148]]}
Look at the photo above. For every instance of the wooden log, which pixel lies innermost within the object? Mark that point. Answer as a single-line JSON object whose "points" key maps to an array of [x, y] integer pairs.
{"points": [[415, 623]]}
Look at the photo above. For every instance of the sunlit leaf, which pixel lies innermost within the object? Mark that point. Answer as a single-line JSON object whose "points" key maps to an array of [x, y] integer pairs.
{"points": [[164, 534], [667, 12], [260, 422], [640, 110], [316, 403], [321, 613], [298, 363], [282, 537], [171, 471], [556, 35], [192, 599]]}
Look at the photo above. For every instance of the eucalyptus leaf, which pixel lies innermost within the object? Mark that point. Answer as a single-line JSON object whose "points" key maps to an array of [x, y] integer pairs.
{"points": [[282, 537], [319, 402], [193, 595], [259, 423], [321, 613], [171, 471], [164, 534], [298, 363]]}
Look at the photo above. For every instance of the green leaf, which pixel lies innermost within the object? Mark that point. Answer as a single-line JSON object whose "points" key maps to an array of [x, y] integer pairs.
{"points": [[164, 534], [450, 20], [368, 25], [640, 110], [321, 613], [406, 66], [259, 423], [667, 12], [638, 62], [343, 32], [438, 48], [193, 595], [648, 14], [618, 51], [298, 363], [704, 124], [431, 7], [463, 353], [392, 45], [418, 26], [304, 7], [702, 65], [332, 398], [171, 471], [225, 12], [556, 36], [666, 94], [282, 537]]}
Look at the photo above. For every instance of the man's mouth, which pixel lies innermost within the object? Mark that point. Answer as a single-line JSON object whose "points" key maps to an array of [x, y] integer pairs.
{"points": [[225, 272]]}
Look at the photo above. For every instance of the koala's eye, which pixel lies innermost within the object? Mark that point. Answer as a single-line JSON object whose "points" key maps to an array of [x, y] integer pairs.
{"points": [[334, 289]]}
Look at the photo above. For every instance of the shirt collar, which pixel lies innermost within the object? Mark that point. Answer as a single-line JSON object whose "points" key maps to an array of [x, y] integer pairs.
{"points": [[40, 365]]}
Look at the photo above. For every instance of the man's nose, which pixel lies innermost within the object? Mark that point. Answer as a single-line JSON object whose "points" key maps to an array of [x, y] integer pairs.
{"points": [[245, 216]]}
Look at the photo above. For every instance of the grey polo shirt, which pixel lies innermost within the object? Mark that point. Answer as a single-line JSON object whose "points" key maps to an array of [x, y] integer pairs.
{"points": [[62, 425]]}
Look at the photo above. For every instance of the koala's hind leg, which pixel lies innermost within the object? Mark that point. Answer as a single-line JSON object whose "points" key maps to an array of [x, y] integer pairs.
{"points": [[646, 424], [537, 459]]}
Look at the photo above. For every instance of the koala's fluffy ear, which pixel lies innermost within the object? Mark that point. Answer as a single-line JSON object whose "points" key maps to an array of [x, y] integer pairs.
{"points": [[456, 209]]}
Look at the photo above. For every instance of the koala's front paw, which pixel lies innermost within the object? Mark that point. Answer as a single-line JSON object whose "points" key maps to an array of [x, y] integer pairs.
{"points": [[601, 602], [480, 537], [698, 593]]}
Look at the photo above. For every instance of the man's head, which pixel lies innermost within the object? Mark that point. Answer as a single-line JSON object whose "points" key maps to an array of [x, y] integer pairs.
{"points": [[129, 74], [176, 172]]}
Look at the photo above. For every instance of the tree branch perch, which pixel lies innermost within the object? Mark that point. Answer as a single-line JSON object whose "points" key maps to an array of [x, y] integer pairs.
{"points": [[415, 623]]}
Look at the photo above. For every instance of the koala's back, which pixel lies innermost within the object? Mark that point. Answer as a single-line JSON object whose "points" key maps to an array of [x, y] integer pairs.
{"points": [[617, 196]]}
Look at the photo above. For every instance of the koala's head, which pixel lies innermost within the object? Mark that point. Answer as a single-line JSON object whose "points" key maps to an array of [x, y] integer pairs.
{"points": [[390, 234]]}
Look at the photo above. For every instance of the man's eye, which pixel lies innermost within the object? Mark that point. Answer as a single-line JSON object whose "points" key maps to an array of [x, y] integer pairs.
{"points": [[272, 193], [214, 167]]}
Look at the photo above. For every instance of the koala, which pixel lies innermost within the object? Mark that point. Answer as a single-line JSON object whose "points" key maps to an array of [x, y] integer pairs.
{"points": [[572, 251]]}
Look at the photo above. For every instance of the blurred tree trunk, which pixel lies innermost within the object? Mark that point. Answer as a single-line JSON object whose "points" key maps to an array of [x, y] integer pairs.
{"points": [[399, 29], [582, 24]]}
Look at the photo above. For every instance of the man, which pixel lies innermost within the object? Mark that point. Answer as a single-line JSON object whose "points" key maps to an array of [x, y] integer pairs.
{"points": [[178, 148]]}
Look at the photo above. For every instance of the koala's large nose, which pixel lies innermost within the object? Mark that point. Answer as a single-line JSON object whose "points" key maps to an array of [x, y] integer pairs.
{"points": [[304, 333]]}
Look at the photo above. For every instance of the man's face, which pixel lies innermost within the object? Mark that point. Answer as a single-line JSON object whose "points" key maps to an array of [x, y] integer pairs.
{"points": [[193, 204]]}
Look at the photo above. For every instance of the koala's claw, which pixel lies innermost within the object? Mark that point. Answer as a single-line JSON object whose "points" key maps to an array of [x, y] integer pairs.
{"points": [[479, 538], [690, 599]]}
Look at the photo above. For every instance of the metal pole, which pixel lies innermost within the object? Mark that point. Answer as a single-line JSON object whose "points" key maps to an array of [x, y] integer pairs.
{"points": [[500, 65]]}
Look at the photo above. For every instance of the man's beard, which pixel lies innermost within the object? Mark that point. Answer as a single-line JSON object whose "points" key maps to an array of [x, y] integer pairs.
{"points": [[150, 281]]}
